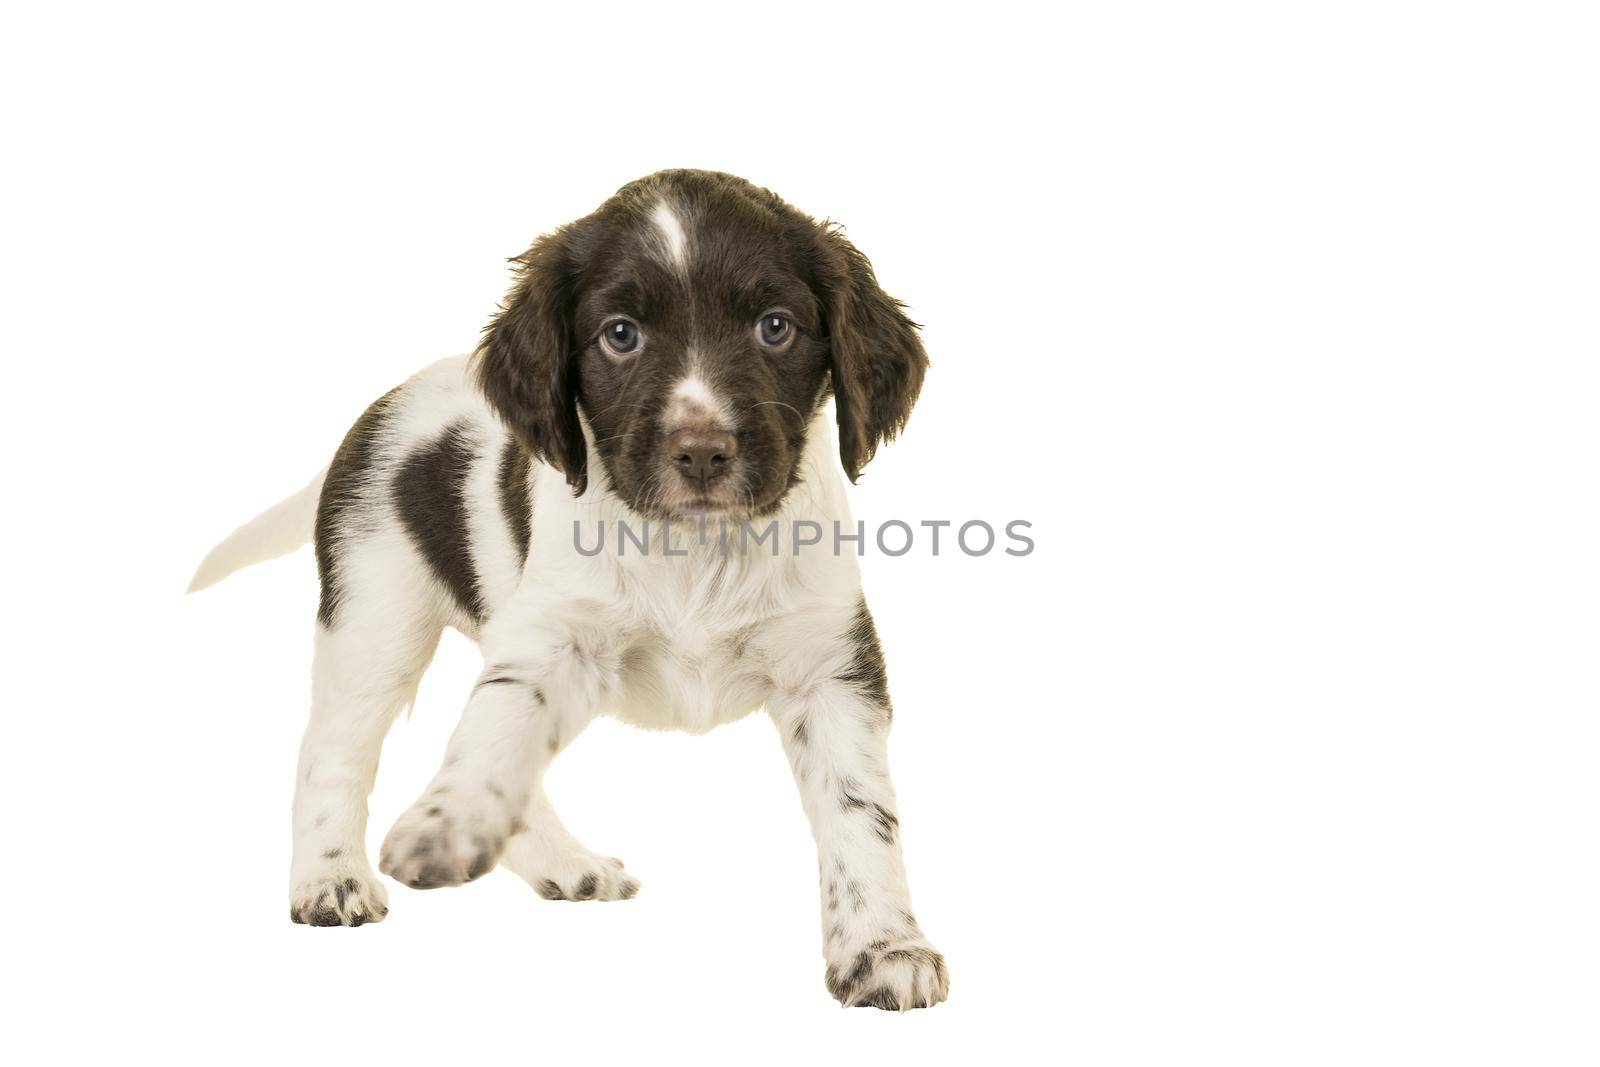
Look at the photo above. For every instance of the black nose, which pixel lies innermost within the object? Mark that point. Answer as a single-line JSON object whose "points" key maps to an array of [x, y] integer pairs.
{"points": [[702, 455]]}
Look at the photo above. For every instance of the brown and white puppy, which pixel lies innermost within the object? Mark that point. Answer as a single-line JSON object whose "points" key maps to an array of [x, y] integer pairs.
{"points": [[661, 369]]}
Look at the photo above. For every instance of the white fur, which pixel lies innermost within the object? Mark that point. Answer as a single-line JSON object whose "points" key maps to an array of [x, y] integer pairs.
{"points": [[693, 401], [673, 239], [277, 531], [683, 642]]}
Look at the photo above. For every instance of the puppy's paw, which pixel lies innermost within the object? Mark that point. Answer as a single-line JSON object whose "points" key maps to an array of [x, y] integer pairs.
{"points": [[895, 975], [338, 898], [588, 877], [565, 870], [446, 838]]}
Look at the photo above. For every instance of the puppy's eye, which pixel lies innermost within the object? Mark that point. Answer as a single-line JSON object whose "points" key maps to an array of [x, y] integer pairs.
{"points": [[774, 330], [620, 337]]}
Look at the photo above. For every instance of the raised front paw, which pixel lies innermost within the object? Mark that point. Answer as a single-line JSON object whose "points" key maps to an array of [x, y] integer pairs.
{"points": [[895, 975], [446, 838], [338, 898]]}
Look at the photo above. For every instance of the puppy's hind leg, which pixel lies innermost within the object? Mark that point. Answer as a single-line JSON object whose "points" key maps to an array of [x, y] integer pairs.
{"points": [[549, 858], [366, 670]]}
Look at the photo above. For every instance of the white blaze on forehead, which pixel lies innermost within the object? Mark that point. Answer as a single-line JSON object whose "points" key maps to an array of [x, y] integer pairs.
{"points": [[673, 238], [693, 402]]}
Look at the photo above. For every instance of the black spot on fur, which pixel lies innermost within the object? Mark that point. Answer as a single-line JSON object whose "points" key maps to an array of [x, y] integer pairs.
{"points": [[843, 985], [879, 998], [515, 504], [586, 888], [498, 679], [884, 821], [333, 853], [433, 876], [430, 495], [507, 676], [740, 642], [549, 890], [342, 493], [866, 671]]}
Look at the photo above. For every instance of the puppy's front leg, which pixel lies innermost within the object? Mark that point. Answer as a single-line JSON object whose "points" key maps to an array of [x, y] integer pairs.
{"points": [[523, 709], [835, 732]]}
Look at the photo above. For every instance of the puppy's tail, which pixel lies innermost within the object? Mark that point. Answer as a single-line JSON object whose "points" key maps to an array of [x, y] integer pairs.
{"points": [[279, 530]]}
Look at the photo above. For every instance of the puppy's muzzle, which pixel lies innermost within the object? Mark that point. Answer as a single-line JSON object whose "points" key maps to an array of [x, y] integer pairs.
{"points": [[702, 456]]}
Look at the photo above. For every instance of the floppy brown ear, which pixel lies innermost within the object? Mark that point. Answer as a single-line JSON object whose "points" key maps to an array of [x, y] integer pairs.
{"points": [[526, 364], [878, 359]]}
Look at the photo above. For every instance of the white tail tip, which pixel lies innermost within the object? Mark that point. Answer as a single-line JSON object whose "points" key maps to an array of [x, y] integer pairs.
{"points": [[277, 531]]}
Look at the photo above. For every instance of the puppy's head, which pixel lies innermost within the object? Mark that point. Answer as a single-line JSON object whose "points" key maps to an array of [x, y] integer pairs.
{"points": [[698, 322]]}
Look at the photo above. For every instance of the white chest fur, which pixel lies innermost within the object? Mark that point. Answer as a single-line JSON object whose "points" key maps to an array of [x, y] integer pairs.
{"points": [[692, 679], [692, 637]]}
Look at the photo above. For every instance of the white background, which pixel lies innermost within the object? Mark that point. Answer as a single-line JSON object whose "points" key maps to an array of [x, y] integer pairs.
{"points": [[1277, 321]]}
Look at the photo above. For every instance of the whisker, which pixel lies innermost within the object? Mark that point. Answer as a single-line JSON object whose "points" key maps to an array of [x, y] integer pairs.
{"points": [[780, 403]]}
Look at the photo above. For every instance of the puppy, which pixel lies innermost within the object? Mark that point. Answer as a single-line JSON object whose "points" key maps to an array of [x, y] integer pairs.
{"points": [[655, 384]]}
